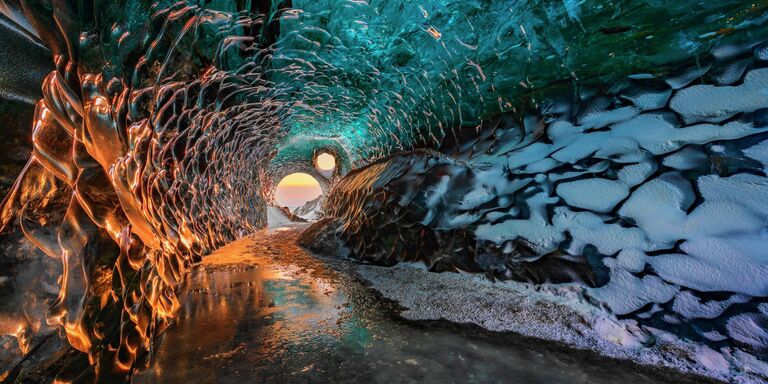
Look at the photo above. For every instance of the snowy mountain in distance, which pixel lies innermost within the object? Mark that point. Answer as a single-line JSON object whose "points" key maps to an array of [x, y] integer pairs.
{"points": [[311, 211]]}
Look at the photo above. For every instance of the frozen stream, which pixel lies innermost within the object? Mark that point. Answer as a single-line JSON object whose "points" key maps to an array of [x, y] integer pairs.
{"points": [[264, 310]]}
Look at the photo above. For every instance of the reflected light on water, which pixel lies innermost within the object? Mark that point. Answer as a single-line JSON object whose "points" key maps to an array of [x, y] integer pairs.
{"points": [[256, 300], [262, 309]]}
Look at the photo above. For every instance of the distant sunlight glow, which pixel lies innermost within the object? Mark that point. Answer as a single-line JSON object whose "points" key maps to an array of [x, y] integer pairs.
{"points": [[296, 189], [326, 162]]}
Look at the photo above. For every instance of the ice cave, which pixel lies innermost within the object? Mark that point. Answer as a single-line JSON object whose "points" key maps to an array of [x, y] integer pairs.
{"points": [[384, 191]]}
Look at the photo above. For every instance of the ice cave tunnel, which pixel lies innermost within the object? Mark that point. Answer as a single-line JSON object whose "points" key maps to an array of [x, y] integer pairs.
{"points": [[503, 191]]}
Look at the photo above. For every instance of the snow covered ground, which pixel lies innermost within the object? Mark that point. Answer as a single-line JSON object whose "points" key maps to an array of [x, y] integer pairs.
{"points": [[277, 218], [560, 313]]}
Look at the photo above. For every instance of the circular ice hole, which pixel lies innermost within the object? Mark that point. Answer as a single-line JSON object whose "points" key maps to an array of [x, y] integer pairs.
{"points": [[326, 162], [297, 189]]}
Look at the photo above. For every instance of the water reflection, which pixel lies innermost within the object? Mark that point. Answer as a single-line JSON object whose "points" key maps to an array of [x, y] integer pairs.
{"points": [[262, 309]]}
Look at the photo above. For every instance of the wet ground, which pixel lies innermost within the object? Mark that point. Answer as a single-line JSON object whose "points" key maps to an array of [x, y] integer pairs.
{"points": [[264, 310]]}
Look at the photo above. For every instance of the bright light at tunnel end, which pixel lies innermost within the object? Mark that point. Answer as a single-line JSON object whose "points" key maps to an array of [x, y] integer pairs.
{"points": [[326, 162], [297, 189]]}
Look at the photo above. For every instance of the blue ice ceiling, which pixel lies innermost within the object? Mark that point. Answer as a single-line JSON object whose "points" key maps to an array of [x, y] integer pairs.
{"points": [[383, 75]]}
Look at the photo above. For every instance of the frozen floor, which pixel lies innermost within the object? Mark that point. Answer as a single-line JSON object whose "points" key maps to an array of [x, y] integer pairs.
{"points": [[267, 311]]}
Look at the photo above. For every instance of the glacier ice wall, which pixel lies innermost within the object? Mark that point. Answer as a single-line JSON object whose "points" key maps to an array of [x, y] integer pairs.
{"points": [[164, 126], [148, 150], [655, 197]]}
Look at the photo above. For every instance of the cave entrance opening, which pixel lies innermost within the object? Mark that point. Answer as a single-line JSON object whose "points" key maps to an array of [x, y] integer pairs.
{"points": [[325, 164], [301, 194]]}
